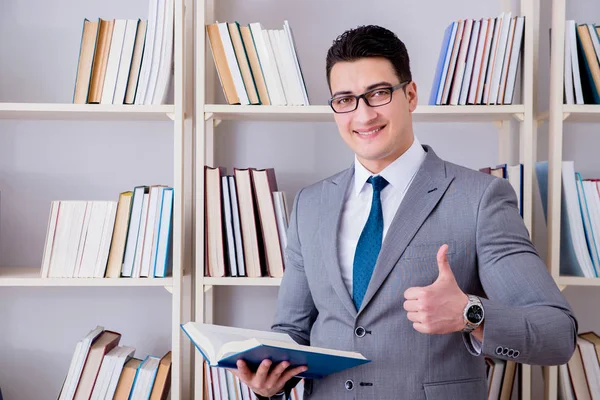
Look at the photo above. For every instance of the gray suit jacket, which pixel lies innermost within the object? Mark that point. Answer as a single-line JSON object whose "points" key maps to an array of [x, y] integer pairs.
{"points": [[526, 317]]}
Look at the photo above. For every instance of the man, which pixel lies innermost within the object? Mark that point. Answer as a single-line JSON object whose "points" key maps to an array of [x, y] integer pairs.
{"points": [[419, 264]]}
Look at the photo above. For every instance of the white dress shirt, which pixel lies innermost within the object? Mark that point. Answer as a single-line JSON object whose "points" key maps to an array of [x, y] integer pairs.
{"points": [[357, 203]]}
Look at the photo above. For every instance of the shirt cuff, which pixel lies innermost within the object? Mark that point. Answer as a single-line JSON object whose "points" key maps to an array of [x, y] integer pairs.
{"points": [[476, 344]]}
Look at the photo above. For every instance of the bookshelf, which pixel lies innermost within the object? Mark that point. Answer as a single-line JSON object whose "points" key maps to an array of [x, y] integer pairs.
{"points": [[558, 114], [516, 125], [174, 119]]}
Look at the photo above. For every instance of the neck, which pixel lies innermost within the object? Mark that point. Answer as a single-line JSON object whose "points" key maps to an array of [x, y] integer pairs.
{"points": [[375, 166]]}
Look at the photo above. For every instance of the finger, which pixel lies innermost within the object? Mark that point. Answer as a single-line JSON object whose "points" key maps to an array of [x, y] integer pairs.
{"points": [[412, 305], [277, 371], [289, 374], [414, 316], [263, 371], [413, 293], [421, 327], [243, 372], [443, 264]]}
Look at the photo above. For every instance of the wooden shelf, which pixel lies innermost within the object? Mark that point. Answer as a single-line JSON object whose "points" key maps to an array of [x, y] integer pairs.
{"points": [[242, 281], [98, 112], [25, 276], [423, 113], [581, 113], [577, 281]]}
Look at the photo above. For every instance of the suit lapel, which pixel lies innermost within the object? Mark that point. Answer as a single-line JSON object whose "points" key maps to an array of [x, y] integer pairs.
{"points": [[332, 203], [426, 190]]}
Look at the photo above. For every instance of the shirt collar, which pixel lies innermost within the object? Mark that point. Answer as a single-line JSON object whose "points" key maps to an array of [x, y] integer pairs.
{"points": [[399, 173]]}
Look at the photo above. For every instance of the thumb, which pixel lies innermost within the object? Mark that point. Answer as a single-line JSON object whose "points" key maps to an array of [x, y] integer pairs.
{"points": [[443, 264]]}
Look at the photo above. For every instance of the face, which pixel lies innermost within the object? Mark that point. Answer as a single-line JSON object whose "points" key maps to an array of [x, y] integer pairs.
{"points": [[377, 135]]}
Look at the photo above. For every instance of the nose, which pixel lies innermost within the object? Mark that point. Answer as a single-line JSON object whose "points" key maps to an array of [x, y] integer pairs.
{"points": [[363, 112]]}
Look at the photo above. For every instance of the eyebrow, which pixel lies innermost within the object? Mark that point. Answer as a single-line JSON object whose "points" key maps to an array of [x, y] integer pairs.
{"points": [[370, 87]]}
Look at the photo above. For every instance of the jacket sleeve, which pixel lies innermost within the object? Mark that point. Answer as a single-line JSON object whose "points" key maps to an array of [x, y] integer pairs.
{"points": [[295, 312], [527, 319]]}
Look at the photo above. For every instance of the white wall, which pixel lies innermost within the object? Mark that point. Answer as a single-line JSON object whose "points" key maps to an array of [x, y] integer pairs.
{"points": [[57, 160]]}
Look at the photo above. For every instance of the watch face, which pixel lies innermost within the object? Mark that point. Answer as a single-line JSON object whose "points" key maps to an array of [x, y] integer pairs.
{"points": [[475, 314]]}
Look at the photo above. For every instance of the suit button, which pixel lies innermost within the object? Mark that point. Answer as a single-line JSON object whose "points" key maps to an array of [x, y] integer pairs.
{"points": [[511, 352], [505, 351], [360, 331], [516, 354], [499, 350], [349, 384]]}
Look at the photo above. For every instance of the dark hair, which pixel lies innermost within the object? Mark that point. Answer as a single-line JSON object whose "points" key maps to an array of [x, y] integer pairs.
{"points": [[370, 41]]}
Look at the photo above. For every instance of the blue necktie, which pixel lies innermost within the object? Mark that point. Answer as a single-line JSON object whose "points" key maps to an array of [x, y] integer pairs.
{"points": [[369, 244]]}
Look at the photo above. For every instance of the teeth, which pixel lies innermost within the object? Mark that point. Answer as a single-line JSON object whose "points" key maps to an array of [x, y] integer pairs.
{"points": [[369, 132]]}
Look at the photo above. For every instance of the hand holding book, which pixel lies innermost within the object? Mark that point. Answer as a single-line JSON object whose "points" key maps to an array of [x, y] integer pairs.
{"points": [[268, 379]]}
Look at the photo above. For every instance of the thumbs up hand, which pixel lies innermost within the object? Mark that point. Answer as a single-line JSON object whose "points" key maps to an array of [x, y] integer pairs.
{"points": [[437, 308]]}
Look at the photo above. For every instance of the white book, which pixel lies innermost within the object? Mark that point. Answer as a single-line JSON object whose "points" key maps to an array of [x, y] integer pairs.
{"points": [[591, 365], [75, 243], [237, 229], [474, 43], [139, 248], [228, 222], [571, 200], [50, 234], [267, 63], [59, 247], [107, 231], [569, 86], [593, 202], [571, 30], [505, 64], [77, 362], [461, 62], [492, 59], [481, 46], [451, 69], [93, 238], [163, 260], [156, 51], [149, 43], [281, 216], [144, 379], [290, 67], [150, 230], [290, 37], [126, 57], [499, 60], [159, 205], [514, 60], [272, 38], [165, 69], [232, 63], [133, 230], [114, 61], [485, 61]]}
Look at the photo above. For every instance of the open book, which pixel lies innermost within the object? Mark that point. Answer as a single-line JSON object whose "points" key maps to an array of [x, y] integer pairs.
{"points": [[222, 346]]}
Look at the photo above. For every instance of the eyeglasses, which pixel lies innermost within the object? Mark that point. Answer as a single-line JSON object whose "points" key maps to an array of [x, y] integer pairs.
{"points": [[373, 98]]}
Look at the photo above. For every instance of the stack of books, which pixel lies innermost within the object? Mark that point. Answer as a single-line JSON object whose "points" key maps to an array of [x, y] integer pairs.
{"points": [[503, 379], [580, 220], [101, 369], [582, 69], [126, 61], [580, 377], [245, 223], [257, 65], [478, 61], [96, 239]]}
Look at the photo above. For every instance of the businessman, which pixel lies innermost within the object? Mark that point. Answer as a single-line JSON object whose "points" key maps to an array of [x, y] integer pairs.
{"points": [[421, 265]]}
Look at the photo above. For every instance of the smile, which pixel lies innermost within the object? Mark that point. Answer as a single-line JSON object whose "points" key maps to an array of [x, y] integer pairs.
{"points": [[369, 132]]}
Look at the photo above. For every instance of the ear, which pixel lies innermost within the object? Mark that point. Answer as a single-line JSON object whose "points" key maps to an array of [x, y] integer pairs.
{"points": [[411, 96]]}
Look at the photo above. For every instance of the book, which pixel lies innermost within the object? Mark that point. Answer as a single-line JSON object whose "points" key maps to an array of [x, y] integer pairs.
{"points": [[221, 346]]}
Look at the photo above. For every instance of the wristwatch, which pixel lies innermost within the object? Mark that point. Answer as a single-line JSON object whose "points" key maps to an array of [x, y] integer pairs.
{"points": [[473, 314]]}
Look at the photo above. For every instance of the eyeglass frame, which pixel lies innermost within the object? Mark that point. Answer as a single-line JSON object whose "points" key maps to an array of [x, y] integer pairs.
{"points": [[363, 96]]}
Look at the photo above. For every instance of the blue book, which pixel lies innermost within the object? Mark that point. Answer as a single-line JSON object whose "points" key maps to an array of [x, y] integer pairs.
{"points": [[441, 69], [222, 346]]}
